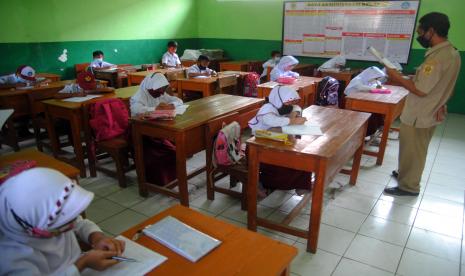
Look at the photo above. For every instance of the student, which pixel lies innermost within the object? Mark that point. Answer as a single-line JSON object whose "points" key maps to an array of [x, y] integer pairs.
{"points": [[201, 68], [98, 61], [24, 75], [170, 59], [159, 154], [85, 83], [39, 221], [271, 63], [284, 67], [425, 106], [281, 110]]}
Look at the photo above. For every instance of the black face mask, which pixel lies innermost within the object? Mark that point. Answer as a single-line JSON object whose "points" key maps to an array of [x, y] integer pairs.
{"points": [[157, 93], [202, 67], [424, 42], [285, 109]]}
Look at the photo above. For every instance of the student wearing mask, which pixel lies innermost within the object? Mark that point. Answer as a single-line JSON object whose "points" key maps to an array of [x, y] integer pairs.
{"points": [[271, 63], [98, 61], [159, 154], [40, 222], [281, 110], [284, 68], [425, 106], [170, 59], [201, 68]]}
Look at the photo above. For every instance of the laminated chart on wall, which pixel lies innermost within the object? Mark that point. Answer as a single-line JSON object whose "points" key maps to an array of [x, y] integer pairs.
{"points": [[327, 29]]}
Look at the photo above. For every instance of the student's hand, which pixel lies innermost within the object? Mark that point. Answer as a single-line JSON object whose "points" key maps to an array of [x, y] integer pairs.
{"points": [[297, 121], [96, 259], [165, 106], [214, 73], [294, 114], [102, 242]]}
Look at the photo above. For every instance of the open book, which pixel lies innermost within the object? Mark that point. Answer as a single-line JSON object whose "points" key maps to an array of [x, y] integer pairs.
{"points": [[306, 129], [146, 261], [181, 238], [386, 62]]}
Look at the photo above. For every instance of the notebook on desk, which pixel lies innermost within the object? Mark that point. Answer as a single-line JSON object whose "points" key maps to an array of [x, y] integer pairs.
{"points": [[181, 238], [146, 261], [306, 129]]}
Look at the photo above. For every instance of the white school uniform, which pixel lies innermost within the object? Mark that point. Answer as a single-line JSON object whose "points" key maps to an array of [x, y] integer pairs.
{"points": [[196, 69], [143, 102], [11, 79], [96, 63], [279, 70], [268, 115], [170, 59], [269, 63]]}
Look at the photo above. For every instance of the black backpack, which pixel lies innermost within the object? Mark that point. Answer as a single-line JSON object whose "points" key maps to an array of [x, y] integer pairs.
{"points": [[327, 92]]}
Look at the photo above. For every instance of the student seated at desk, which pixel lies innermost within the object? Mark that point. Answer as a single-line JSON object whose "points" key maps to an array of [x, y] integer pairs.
{"points": [[170, 59], [284, 68], [98, 61], [271, 63], [281, 110], [85, 84], [24, 75], [159, 154], [201, 68], [40, 225]]}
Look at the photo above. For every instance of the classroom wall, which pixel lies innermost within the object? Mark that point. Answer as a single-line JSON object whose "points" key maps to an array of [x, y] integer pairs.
{"points": [[252, 29], [37, 32]]}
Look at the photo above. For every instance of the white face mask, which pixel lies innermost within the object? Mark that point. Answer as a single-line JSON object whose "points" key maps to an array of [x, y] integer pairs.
{"points": [[276, 59], [98, 59]]}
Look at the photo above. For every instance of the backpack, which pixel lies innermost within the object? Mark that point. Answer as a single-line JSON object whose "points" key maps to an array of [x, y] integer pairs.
{"points": [[327, 92], [227, 145], [108, 119], [251, 81]]}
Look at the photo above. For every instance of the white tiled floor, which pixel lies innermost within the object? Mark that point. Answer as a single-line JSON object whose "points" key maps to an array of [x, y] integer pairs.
{"points": [[363, 232]]}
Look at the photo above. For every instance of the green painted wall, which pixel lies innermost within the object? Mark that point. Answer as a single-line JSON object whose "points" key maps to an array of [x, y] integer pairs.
{"points": [[252, 29], [36, 32]]}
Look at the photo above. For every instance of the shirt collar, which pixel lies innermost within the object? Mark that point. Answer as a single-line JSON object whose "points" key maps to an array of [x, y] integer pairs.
{"points": [[437, 47]]}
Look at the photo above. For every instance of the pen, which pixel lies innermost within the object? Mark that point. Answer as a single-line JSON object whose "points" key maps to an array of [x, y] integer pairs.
{"points": [[123, 259]]}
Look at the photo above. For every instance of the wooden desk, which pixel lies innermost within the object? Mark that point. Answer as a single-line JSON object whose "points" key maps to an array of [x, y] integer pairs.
{"points": [[72, 112], [135, 78], [306, 86], [236, 65], [323, 155], [240, 253], [214, 63], [115, 76], [42, 160], [207, 86], [346, 76], [126, 93], [49, 76], [389, 105], [188, 133], [301, 68]]}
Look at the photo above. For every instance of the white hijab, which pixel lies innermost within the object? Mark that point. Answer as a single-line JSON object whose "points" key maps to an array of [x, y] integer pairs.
{"points": [[280, 69], [366, 80], [33, 195], [143, 102], [278, 96]]}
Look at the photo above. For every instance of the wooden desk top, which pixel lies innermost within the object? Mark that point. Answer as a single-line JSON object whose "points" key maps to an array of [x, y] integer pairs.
{"points": [[343, 72], [336, 131], [398, 94], [303, 65], [76, 105], [42, 160], [126, 92], [203, 110], [48, 75], [214, 79], [302, 81], [241, 252], [51, 85], [239, 61], [158, 70]]}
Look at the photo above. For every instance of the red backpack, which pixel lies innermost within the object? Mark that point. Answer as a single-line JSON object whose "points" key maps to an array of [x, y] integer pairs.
{"points": [[251, 81], [108, 119]]}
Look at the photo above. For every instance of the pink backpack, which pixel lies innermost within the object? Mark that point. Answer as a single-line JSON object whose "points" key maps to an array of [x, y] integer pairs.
{"points": [[108, 119], [227, 146], [251, 81]]}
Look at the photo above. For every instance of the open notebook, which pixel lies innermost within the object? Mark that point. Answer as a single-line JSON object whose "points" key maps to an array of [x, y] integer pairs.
{"points": [[80, 99], [181, 238], [306, 129], [147, 260]]}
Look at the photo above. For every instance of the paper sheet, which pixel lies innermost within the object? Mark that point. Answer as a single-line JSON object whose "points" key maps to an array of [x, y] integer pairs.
{"points": [[81, 99], [4, 115], [306, 129], [181, 109], [147, 260]]}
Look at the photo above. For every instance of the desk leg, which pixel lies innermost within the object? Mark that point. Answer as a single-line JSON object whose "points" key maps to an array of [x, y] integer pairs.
{"points": [[77, 142], [356, 163], [286, 272], [181, 170], [317, 204], [52, 135], [384, 137], [252, 189], [139, 160]]}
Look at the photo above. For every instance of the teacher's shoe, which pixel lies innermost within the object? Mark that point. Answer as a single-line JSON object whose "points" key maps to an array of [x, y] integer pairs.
{"points": [[395, 174], [398, 192]]}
